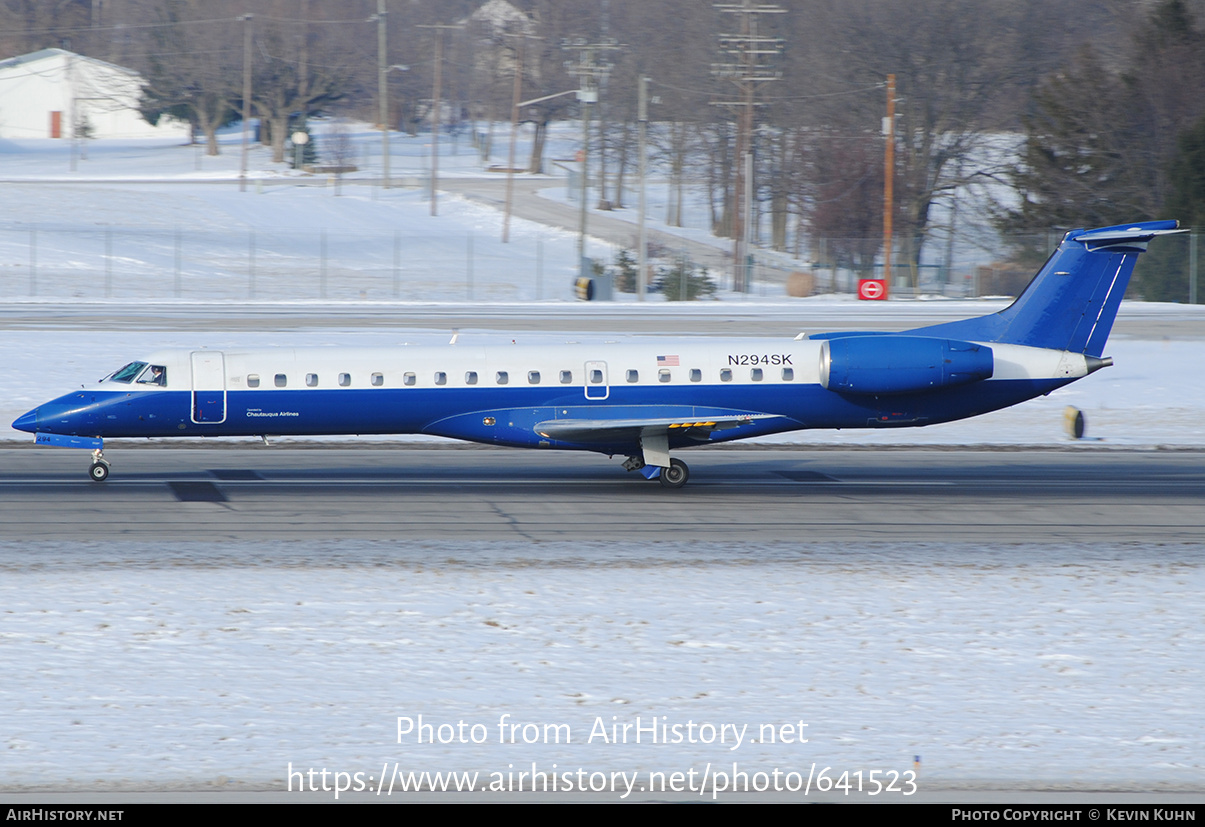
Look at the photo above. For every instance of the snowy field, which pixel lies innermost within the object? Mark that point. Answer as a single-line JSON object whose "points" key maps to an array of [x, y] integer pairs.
{"points": [[289, 237], [149, 219], [139, 666]]}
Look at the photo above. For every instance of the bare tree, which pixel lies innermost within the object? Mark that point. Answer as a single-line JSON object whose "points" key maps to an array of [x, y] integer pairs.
{"points": [[29, 25], [296, 77], [192, 65]]}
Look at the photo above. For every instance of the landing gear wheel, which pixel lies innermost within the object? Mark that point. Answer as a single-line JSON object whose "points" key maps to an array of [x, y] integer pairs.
{"points": [[676, 475], [99, 472]]}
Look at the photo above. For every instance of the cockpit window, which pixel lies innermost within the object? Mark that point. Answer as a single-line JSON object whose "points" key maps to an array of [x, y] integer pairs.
{"points": [[127, 373], [154, 375]]}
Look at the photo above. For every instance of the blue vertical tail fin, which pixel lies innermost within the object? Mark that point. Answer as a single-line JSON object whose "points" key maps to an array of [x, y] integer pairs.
{"points": [[1073, 300]]}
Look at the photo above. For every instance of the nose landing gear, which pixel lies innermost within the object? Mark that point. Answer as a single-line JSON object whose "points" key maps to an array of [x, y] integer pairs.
{"points": [[99, 470]]}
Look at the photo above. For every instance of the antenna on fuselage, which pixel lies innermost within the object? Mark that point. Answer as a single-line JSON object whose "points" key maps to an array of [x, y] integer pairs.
{"points": [[455, 335]]}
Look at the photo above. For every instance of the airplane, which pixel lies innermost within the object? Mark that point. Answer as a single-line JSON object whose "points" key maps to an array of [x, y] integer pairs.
{"points": [[640, 401]]}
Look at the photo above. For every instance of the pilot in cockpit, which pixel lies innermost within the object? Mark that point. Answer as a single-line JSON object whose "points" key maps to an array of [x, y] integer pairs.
{"points": [[157, 375]]}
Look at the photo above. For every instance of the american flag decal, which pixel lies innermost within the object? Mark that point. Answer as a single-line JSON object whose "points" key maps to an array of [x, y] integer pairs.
{"points": [[667, 361]]}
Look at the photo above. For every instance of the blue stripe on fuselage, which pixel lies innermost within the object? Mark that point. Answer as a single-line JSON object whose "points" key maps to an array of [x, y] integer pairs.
{"points": [[461, 412]]}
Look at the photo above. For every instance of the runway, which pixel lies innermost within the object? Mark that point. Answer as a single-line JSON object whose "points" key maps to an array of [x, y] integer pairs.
{"points": [[398, 492]]}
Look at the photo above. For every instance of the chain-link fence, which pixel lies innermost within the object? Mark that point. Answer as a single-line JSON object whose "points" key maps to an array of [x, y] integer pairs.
{"points": [[63, 263], [1169, 272], [115, 263]]}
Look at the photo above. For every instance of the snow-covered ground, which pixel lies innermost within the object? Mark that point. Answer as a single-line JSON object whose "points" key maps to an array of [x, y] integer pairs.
{"points": [[149, 219], [140, 665], [137, 222]]}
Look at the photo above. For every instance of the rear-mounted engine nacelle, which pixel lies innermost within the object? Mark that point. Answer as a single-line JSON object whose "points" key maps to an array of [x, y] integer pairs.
{"points": [[901, 364]]}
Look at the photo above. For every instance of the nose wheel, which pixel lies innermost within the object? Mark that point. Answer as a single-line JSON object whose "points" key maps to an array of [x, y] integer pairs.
{"points": [[99, 470]]}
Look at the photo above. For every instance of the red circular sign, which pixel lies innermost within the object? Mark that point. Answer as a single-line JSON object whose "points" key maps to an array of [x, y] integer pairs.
{"points": [[870, 289]]}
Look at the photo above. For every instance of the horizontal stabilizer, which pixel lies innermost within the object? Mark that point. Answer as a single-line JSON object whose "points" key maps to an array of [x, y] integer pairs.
{"points": [[1133, 236]]}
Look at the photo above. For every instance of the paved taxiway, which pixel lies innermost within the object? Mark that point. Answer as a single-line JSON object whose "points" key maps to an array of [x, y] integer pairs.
{"points": [[733, 318], [390, 491]]}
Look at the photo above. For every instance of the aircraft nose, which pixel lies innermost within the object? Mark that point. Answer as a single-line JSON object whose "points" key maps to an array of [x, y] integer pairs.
{"points": [[27, 422]]}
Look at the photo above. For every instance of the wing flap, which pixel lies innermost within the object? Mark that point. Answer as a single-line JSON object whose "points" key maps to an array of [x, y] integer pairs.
{"points": [[611, 430]]}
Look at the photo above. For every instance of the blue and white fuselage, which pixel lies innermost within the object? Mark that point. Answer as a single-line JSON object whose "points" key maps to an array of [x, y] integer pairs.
{"points": [[634, 399]]}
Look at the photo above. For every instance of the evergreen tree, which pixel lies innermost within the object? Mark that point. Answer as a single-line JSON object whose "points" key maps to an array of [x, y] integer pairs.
{"points": [[1187, 201], [1101, 147], [684, 282], [1079, 167], [625, 272], [1164, 276], [309, 150]]}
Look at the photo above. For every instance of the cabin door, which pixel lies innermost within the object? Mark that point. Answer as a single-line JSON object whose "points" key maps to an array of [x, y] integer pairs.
{"points": [[596, 381], [208, 387]]}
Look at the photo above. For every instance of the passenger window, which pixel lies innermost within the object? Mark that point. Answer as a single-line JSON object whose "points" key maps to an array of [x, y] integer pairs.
{"points": [[633, 376], [282, 380], [696, 375], [311, 380], [596, 377], [378, 379], [344, 380], [788, 374], [533, 377], [502, 377], [470, 378], [566, 377], [409, 379], [755, 374], [441, 378], [253, 380], [663, 375], [726, 375]]}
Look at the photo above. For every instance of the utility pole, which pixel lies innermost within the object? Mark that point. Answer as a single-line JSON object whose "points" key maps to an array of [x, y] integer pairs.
{"points": [[747, 72], [383, 87], [439, 61], [589, 70], [303, 50], [242, 175], [888, 184], [642, 117], [514, 129]]}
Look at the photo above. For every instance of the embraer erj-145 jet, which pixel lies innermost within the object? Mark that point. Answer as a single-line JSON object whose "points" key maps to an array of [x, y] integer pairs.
{"points": [[639, 401]]}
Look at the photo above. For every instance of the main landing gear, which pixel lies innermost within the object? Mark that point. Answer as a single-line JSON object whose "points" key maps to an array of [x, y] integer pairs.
{"points": [[674, 475], [99, 470], [654, 460]]}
